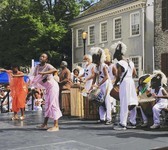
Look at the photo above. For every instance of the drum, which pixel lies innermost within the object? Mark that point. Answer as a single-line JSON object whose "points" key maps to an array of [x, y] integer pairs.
{"points": [[115, 92], [147, 105], [76, 102], [96, 96], [65, 102], [90, 110]]}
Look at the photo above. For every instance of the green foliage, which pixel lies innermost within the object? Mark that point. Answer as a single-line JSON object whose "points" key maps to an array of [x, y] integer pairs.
{"points": [[29, 27]]}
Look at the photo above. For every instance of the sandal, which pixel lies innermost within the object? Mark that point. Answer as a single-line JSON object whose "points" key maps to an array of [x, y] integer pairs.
{"points": [[42, 127], [22, 118], [53, 129], [15, 118]]}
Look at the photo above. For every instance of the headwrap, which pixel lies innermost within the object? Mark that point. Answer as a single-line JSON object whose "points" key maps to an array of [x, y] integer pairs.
{"points": [[119, 46], [159, 74], [99, 52], [108, 55]]}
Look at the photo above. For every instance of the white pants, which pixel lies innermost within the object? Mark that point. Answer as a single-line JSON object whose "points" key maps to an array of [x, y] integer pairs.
{"points": [[133, 114], [105, 113], [156, 111], [145, 119]]}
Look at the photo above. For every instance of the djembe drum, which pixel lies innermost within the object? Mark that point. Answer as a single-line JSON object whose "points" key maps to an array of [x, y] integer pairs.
{"points": [[90, 110], [147, 105], [65, 102]]}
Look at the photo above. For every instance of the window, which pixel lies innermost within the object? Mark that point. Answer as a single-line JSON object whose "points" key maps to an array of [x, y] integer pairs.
{"points": [[117, 28], [91, 35], [135, 23], [79, 38], [137, 60], [103, 32], [164, 64], [164, 15]]}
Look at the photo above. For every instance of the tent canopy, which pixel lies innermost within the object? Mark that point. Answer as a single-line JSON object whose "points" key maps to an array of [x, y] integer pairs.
{"points": [[4, 78]]}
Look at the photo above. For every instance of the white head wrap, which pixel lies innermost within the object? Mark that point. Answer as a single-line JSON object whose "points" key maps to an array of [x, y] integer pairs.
{"points": [[98, 50], [164, 78], [123, 49]]}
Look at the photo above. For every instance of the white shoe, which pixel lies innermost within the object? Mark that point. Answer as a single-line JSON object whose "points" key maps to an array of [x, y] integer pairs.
{"points": [[145, 124], [155, 126], [120, 127]]}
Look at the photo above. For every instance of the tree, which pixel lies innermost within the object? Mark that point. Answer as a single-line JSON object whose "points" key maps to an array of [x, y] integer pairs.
{"points": [[28, 27]]}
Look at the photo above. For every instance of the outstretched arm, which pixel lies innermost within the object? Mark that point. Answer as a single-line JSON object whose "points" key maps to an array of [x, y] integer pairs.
{"points": [[48, 72]]}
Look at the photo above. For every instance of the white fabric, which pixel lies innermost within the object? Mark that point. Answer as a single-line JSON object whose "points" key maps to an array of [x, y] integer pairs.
{"points": [[133, 114], [127, 92], [87, 74], [38, 107], [145, 119], [105, 88], [161, 103]]}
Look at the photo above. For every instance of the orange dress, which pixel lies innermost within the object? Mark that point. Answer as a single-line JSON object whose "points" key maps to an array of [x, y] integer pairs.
{"points": [[18, 91]]}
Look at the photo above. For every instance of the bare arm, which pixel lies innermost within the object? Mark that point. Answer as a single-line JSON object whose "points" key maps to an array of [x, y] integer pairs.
{"points": [[134, 73], [48, 72]]}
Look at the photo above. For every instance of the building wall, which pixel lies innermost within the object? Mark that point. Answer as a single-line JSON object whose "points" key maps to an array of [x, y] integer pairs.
{"points": [[160, 37], [141, 45], [134, 44]]}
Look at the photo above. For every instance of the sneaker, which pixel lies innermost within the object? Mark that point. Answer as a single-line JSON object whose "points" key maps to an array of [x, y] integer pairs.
{"points": [[155, 126], [120, 127], [131, 126], [145, 124], [108, 122], [100, 121]]}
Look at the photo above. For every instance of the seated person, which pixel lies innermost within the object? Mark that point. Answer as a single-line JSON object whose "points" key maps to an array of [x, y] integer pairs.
{"points": [[3, 95], [142, 92], [75, 76], [38, 101], [157, 91]]}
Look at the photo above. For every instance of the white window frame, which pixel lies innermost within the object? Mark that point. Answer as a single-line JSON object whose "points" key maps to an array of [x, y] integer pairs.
{"points": [[77, 37], [138, 66], [114, 38], [89, 35], [131, 24], [101, 32]]}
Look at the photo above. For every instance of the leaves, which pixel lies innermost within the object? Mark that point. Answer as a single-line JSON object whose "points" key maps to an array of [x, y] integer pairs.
{"points": [[29, 27]]}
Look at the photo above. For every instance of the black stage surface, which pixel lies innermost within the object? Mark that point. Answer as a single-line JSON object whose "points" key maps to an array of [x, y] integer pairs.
{"points": [[75, 134]]}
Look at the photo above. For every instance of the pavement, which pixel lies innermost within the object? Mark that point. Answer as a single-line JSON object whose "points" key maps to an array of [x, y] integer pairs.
{"points": [[76, 134]]}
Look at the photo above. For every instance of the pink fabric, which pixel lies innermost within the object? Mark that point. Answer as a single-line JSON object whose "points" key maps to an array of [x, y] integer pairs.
{"points": [[52, 109]]}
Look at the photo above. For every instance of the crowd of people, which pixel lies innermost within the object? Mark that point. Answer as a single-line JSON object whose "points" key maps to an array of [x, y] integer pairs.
{"points": [[97, 72]]}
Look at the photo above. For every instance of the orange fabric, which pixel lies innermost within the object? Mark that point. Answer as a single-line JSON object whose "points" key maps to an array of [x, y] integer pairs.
{"points": [[18, 91]]}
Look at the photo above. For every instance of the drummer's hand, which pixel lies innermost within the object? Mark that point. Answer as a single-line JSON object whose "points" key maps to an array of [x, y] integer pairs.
{"points": [[154, 95], [95, 86]]}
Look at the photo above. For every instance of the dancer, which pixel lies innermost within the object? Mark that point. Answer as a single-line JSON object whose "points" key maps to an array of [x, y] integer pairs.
{"points": [[18, 91], [43, 75], [127, 90]]}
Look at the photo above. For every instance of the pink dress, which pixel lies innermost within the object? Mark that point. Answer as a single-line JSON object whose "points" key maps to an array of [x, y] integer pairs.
{"points": [[52, 109]]}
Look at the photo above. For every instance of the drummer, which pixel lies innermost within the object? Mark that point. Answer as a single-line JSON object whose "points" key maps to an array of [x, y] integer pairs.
{"points": [[142, 92], [158, 82], [86, 77], [112, 70], [103, 82]]}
